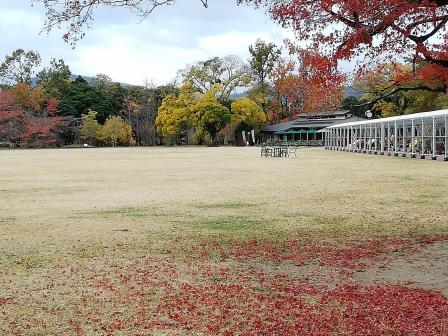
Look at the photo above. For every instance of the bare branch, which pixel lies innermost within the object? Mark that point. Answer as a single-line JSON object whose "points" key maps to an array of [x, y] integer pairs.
{"points": [[76, 15]]}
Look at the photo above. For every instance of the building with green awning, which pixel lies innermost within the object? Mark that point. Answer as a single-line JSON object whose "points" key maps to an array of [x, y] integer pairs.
{"points": [[306, 129]]}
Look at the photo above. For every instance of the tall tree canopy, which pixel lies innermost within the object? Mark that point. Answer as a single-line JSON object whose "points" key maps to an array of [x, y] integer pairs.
{"points": [[347, 28], [211, 115], [386, 100], [19, 67], [375, 29], [55, 78], [263, 57], [307, 82], [248, 113], [80, 97], [176, 113], [230, 72]]}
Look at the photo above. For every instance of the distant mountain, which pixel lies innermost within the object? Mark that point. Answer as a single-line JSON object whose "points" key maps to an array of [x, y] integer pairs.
{"points": [[348, 91], [88, 79], [237, 95], [351, 91]]}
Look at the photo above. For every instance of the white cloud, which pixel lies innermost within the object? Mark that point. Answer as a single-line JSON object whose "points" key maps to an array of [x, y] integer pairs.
{"points": [[133, 53], [155, 49], [231, 43], [130, 60]]}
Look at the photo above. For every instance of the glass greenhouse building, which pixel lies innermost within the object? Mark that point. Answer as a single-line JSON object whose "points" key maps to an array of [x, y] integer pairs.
{"points": [[420, 135]]}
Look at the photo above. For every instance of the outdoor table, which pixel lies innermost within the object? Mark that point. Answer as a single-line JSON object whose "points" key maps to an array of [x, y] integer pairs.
{"points": [[275, 151], [280, 151]]}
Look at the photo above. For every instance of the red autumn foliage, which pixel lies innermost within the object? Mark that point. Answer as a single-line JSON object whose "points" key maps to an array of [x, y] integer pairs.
{"points": [[310, 83], [4, 301], [17, 125], [298, 308], [378, 30], [161, 295], [13, 119], [38, 131], [350, 254], [52, 107]]}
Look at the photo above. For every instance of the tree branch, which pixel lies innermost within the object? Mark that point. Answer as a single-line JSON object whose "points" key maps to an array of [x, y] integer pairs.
{"points": [[441, 89]]}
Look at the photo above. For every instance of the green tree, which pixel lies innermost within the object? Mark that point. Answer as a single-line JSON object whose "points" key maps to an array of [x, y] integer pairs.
{"points": [[111, 93], [261, 95], [102, 83], [81, 97], [55, 79], [212, 116], [248, 113], [19, 67], [90, 127], [355, 106], [262, 61]]}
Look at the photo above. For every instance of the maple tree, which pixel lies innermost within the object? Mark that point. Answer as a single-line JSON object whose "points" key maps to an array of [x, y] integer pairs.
{"points": [[52, 106], [387, 99], [13, 119], [307, 82], [25, 116], [344, 29], [376, 30], [40, 127], [38, 132]]}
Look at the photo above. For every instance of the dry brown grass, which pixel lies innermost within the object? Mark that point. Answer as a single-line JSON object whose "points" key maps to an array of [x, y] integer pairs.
{"points": [[60, 197], [73, 208]]}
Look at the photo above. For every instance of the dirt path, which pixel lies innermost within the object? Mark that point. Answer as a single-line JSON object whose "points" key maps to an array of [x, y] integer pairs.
{"points": [[427, 269]]}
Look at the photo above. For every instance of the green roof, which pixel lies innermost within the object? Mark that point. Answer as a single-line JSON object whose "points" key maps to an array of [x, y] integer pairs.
{"points": [[302, 131]]}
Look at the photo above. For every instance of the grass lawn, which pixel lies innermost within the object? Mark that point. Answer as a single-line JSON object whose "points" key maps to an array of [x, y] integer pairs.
{"points": [[218, 241]]}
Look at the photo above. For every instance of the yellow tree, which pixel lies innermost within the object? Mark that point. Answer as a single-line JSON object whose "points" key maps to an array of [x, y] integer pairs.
{"points": [[115, 130], [247, 112], [90, 127], [212, 116], [176, 114], [30, 98]]}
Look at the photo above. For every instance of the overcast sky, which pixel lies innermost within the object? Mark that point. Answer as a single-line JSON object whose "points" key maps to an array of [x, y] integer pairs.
{"points": [[132, 52]]}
